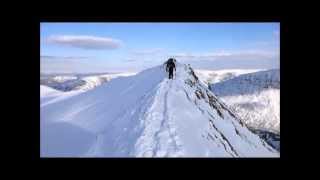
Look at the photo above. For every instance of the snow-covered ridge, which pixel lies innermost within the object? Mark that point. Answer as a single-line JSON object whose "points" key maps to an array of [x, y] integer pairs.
{"points": [[94, 81], [47, 91], [271, 138], [147, 115], [255, 97], [70, 82], [248, 83], [49, 95], [62, 79], [215, 76]]}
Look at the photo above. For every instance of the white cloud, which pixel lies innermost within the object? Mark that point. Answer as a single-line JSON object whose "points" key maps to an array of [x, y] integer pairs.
{"points": [[85, 42]]}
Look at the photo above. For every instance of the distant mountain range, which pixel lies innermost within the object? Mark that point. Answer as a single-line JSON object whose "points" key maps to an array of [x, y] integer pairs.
{"points": [[69, 82], [255, 97]]}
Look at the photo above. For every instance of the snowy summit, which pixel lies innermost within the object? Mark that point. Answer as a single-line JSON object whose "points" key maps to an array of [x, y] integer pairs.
{"points": [[147, 115]]}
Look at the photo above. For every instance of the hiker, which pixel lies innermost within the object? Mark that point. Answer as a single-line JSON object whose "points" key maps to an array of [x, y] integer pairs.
{"points": [[170, 67]]}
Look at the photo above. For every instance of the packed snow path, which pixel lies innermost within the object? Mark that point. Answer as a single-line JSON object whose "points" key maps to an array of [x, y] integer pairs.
{"points": [[147, 115], [160, 127]]}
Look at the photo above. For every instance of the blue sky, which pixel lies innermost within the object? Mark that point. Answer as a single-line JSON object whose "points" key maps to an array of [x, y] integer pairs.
{"points": [[102, 47]]}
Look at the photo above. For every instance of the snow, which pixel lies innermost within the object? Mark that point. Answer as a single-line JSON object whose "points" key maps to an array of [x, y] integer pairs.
{"points": [[215, 76], [260, 110], [49, 95], [64, 78], [81, 82], [93, 81], [45, 91], [146, 115], [255, 97]]}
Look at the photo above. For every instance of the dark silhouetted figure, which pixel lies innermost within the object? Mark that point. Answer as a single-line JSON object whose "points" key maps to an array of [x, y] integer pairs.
{"points": [[170, 67]]}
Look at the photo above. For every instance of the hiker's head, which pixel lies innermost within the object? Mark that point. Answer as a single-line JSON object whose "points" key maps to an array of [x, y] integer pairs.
{"points": [[171, 60]]}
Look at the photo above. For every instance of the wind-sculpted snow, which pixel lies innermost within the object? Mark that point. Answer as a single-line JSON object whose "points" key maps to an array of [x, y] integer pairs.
{"points": [[49, 95], [147, 115]]}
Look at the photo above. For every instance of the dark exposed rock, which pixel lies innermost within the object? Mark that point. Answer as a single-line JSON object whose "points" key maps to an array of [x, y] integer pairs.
{"points": [[214, 104]]}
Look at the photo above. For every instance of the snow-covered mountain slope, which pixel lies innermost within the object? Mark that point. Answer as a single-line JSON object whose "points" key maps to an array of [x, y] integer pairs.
{"points": [[271, 138], [249, 83], [95, 81], [62, 83], [69, 83], [147, 115], [48, 94], [62, 79], [47, 91], [255, 97], [215, 76]]}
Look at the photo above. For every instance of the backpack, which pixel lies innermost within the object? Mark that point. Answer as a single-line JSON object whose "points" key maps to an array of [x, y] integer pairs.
{"points": [[170, 64]]}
